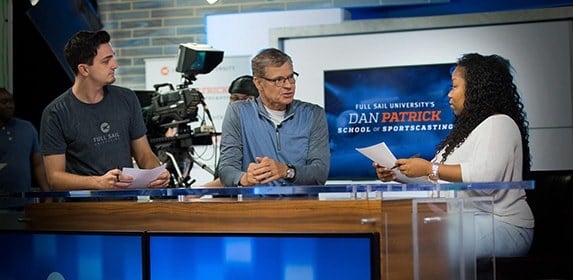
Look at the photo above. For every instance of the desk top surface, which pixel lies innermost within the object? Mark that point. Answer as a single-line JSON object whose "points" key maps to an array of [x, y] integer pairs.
{"points": [[330, 191]]}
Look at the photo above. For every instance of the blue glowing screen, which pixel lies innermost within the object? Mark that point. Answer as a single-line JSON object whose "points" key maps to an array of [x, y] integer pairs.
{"points": [[306, 257], [94, 256]]}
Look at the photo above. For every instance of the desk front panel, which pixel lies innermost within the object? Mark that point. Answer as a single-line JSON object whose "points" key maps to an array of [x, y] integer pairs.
{"points": [[392, 220]]}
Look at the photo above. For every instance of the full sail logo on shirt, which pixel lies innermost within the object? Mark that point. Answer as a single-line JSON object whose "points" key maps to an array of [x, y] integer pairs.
{"points": [[104, 127], [106, 137]]}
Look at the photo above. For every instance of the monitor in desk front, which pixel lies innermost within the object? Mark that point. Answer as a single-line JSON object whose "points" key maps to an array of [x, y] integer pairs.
{"points": [[70, 255], [264, 256]]}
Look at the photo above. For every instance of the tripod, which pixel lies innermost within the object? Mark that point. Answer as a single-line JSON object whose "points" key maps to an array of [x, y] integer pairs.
{"points": [[177, 151]]}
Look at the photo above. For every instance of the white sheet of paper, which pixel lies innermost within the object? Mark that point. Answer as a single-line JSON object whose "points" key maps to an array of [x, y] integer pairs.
{"points": [[381, 153], [142, 177]]}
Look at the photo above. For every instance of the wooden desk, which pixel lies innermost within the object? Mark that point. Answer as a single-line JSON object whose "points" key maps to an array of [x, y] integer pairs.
{"points": [[392, 220], [413, 238]]}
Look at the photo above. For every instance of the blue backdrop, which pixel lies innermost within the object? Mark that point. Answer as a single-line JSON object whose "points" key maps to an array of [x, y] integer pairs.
{"points": [[405, 106]]}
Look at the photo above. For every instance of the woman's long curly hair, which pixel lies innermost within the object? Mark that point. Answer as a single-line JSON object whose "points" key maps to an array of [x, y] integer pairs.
{"points": [[489, 90]]}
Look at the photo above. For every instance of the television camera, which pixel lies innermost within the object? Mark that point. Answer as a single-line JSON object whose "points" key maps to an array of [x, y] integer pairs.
{"points": [[172, 110]]}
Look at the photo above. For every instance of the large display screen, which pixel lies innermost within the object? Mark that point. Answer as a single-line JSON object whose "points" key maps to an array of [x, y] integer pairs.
{"points": [[71, 255], [168, 255], [263, 256], [405, 106]]}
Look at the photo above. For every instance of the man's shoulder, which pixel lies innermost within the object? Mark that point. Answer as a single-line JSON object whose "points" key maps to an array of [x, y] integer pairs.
{"points": [[244, 104], [55, 103], [114, 88], [120, 93], [22, 122], [24, 128], [304, 105], [123, 91]]}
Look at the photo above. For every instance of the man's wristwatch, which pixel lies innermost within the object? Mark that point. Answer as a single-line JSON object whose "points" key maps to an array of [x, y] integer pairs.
{"points": [[291, 172]]}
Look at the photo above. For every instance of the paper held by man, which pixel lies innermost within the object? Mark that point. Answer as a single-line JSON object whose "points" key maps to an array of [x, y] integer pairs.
{"points": [[381, 153], [142, 177]]}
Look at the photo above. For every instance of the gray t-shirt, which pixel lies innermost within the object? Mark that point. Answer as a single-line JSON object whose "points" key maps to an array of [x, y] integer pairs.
{"points": [[94, 137]]}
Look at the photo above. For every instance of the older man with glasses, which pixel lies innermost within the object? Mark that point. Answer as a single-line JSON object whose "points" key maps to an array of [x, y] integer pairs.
{"points": [[274, 140]]}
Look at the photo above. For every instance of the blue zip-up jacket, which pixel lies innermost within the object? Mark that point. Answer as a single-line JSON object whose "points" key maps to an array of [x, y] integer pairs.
{"points": [[301, 139]]}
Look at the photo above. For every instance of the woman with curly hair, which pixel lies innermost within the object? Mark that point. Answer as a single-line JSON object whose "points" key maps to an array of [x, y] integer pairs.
{"points": [[489, 142]]}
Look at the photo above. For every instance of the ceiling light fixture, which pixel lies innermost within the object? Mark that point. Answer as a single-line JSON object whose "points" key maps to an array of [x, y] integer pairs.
{"points": [[211, 2]]}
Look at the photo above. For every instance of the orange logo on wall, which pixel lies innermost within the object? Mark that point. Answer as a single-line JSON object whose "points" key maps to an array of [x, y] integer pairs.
{"points": [[164, 71]]}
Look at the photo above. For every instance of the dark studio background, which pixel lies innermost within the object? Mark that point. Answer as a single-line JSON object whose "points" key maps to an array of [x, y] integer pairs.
{"points": [[39, 76]]}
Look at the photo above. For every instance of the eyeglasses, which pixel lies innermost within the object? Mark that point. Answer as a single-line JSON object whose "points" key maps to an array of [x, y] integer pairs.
{"points": [[280, 81]]}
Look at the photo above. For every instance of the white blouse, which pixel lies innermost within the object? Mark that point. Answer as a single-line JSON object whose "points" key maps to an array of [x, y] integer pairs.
{"points": [[492, 152]]}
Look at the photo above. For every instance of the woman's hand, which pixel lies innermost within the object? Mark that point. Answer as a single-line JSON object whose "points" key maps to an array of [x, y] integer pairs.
{"points": [[414, 167], [384, 173]]}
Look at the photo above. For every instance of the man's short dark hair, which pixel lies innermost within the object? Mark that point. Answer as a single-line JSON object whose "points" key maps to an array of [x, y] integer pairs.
{"points": [[82, 47]]}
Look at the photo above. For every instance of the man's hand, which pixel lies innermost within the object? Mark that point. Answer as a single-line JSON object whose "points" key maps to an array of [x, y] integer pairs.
{"points": [[162, 181], [113, 179], [265, 170]]}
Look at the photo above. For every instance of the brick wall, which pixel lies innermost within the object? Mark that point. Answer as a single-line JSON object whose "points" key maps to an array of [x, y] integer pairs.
{"points": [[153, 29]]}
